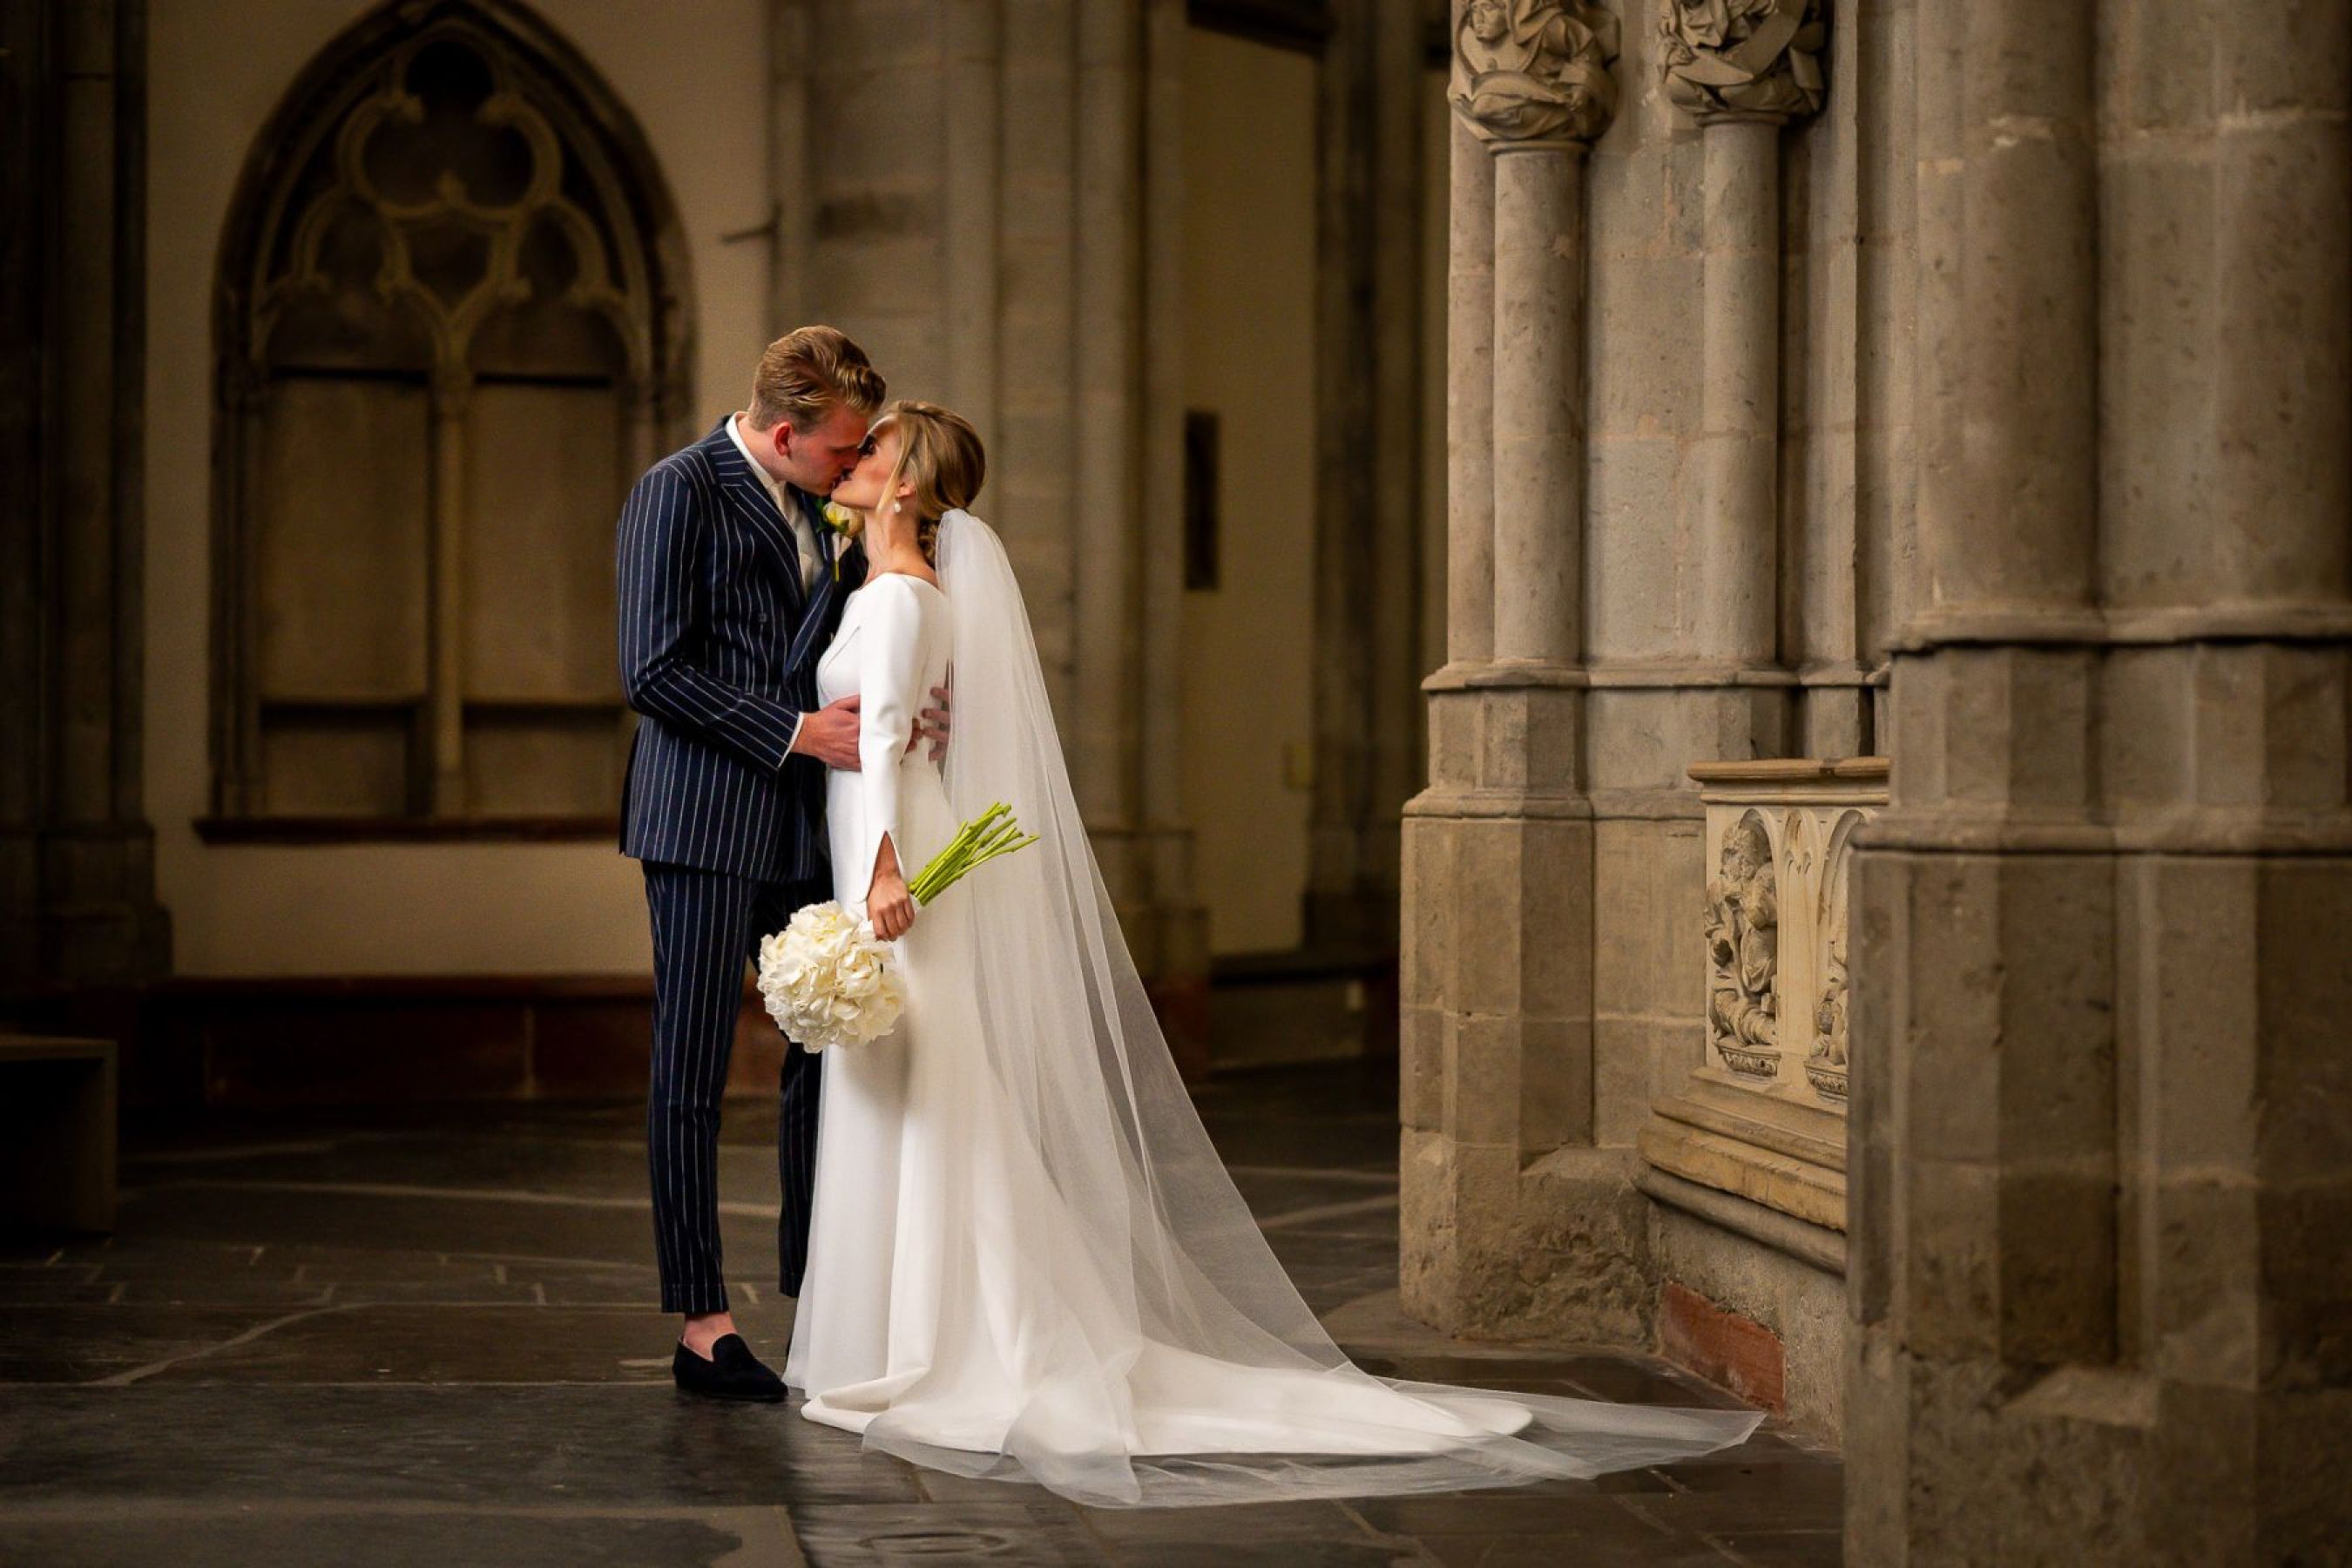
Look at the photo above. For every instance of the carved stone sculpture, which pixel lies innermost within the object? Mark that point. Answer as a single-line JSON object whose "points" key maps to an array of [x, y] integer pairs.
{"points": [[1743, 936], [1535, 70], [1825, 1065], [1745, 57]]}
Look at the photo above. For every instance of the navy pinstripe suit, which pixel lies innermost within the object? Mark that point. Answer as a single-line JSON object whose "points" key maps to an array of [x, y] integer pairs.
{"points": [[718, 649]]}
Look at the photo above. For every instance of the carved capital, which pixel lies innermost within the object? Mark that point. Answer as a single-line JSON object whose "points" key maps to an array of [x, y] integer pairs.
{"points": [[1533, 70], [1744, 60]]}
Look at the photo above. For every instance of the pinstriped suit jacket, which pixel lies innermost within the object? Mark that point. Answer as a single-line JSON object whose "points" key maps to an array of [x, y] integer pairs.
{"points": [[718, 651]]}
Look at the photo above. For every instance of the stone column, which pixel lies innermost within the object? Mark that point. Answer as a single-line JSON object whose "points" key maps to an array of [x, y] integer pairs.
{"points": [[1739, 395], [77, 857], [1368, 482], [1742, 90], [1506, 1196], [2102, 1117], [1109, 219], [1025, 270], [1981, 1216], [1539, 347], [1469, 406], [1179, 941]]}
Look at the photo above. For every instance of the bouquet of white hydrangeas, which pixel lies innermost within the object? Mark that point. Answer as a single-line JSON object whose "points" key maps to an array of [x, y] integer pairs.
{"points": [[826, 977]]}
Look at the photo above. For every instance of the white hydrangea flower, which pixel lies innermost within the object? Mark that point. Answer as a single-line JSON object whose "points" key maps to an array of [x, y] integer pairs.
{"points": [[828, 981]]}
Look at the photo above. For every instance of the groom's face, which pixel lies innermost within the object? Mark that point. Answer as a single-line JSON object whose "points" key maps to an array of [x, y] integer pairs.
{"points": [[817, 459]]}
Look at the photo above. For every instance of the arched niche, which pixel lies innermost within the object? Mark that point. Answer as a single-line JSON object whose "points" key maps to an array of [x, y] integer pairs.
{"points": [[451, 327]]}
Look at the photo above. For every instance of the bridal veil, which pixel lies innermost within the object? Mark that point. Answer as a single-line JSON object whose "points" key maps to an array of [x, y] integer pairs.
{"points": [[1146, 1214]]}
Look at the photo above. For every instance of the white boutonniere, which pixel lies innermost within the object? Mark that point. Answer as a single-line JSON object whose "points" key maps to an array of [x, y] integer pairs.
{"points": [[846, 523]]}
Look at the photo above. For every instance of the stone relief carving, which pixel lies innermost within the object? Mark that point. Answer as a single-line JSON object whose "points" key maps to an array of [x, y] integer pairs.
{"points": [[1743, 942], [1762, 1112], [1535, 70], [1825, 1065], [1760, 57], [1780, 848]]}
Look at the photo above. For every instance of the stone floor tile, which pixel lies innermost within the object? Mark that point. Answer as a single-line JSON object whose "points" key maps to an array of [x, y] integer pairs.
{"points": [[84, 1344], [607, 1446], [840, 1535], [261, 1536], [423, 1334], [1550, 1552], [1785, 1549], [1798, 1499]]}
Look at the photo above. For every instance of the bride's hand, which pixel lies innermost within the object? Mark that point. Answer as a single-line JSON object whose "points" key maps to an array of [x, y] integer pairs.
{"points": [[889, 906]]}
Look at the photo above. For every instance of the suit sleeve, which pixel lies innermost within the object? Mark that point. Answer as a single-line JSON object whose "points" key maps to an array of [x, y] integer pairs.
{"points": [[663, 624], [890, 677]]}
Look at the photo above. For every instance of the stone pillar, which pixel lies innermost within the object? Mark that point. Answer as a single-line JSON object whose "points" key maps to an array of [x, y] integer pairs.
{"points": [[1539, 347], [1024, 271], [1179, 944], [1742, 88], [1367, 482], [1739, 393], [77, 857], [2102, 1111], [1469, 405], [1513, 1218], [1742, 79]]}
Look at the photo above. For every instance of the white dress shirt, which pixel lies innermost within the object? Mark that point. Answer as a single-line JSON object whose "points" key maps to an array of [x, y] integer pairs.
{"points": [[795, 518], [812, 556]]}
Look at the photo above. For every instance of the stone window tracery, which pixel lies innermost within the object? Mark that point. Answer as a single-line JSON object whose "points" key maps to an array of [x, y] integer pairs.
{"points": [[449, 335]]}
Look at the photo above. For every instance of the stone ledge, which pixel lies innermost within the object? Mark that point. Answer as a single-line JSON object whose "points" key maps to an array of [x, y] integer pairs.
{"points": [[1794, 1187], [1817, 1247], [1442, 804], [1783, 773], [1811, 1134], [2185, 831]]}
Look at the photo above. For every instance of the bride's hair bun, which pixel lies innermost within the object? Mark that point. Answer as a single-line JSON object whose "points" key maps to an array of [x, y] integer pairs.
{"points": [[941, 457]]}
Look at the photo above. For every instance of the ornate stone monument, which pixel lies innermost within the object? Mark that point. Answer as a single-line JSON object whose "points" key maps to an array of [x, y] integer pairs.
{"points": [[1763, 1114]]}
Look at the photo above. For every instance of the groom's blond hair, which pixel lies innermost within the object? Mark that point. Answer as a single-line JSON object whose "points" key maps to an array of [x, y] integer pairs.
{"points": [[807, 374]]}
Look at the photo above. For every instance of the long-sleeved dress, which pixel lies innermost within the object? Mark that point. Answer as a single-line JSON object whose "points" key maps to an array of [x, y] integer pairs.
{"points": [[965, 1308]]}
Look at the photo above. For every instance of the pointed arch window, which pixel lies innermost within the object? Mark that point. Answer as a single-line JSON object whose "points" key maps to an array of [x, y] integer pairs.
{"points": [[450, 335]]}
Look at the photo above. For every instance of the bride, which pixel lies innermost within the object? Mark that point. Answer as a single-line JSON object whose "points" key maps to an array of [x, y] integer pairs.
{"points": [[1026, 1259]]}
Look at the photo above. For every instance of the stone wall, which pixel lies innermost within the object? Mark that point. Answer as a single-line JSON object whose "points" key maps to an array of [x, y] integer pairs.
{"points": [[1727, 579], [1972, 384], [2102, 1110]]}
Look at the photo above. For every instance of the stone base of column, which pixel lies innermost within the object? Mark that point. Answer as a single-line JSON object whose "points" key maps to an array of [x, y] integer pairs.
{"points": [[1969, 1462], [2101, 1163], [1557, 1248], [1515, 1224], [79, 909]]}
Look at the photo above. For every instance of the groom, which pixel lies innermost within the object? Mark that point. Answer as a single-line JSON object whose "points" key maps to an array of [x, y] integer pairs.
{"points": [[730, 589]]}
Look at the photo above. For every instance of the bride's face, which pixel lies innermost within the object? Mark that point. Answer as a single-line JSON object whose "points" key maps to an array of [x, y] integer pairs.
{"points": [[862, 490]]}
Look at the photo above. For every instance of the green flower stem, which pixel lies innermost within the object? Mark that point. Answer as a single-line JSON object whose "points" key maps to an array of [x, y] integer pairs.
{"points": [[991, 834]]}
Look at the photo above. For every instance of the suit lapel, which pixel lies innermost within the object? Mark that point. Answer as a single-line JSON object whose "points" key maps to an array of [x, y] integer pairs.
{"points": [[742, 491]]}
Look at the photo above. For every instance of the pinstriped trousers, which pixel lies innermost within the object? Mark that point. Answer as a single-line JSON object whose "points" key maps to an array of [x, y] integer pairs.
{"points": [[707, 927]]}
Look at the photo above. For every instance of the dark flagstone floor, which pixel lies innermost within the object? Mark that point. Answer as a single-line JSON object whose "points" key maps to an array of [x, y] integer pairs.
{"points": [[427, 1338]]}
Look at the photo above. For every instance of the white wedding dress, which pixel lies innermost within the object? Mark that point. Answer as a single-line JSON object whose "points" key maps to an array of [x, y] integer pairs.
{"points": [[1025, 1259]]}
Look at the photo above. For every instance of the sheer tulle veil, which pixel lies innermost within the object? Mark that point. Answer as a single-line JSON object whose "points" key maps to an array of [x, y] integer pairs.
{"points": [[1152, 1215]]}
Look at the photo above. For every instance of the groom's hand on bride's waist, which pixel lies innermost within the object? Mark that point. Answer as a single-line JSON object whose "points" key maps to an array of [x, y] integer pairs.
{"points": [[932, 726], [830, 734]]}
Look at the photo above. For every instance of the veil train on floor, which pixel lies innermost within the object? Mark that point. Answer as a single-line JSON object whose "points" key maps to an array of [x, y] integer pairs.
{"points": [[1199, 1310]]}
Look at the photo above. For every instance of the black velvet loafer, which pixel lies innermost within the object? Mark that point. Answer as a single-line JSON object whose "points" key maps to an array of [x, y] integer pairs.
{"points": [[731, 1372]]}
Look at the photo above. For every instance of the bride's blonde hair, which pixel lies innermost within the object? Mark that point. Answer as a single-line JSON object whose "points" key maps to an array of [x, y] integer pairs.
{"points": [[940, 455]]}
